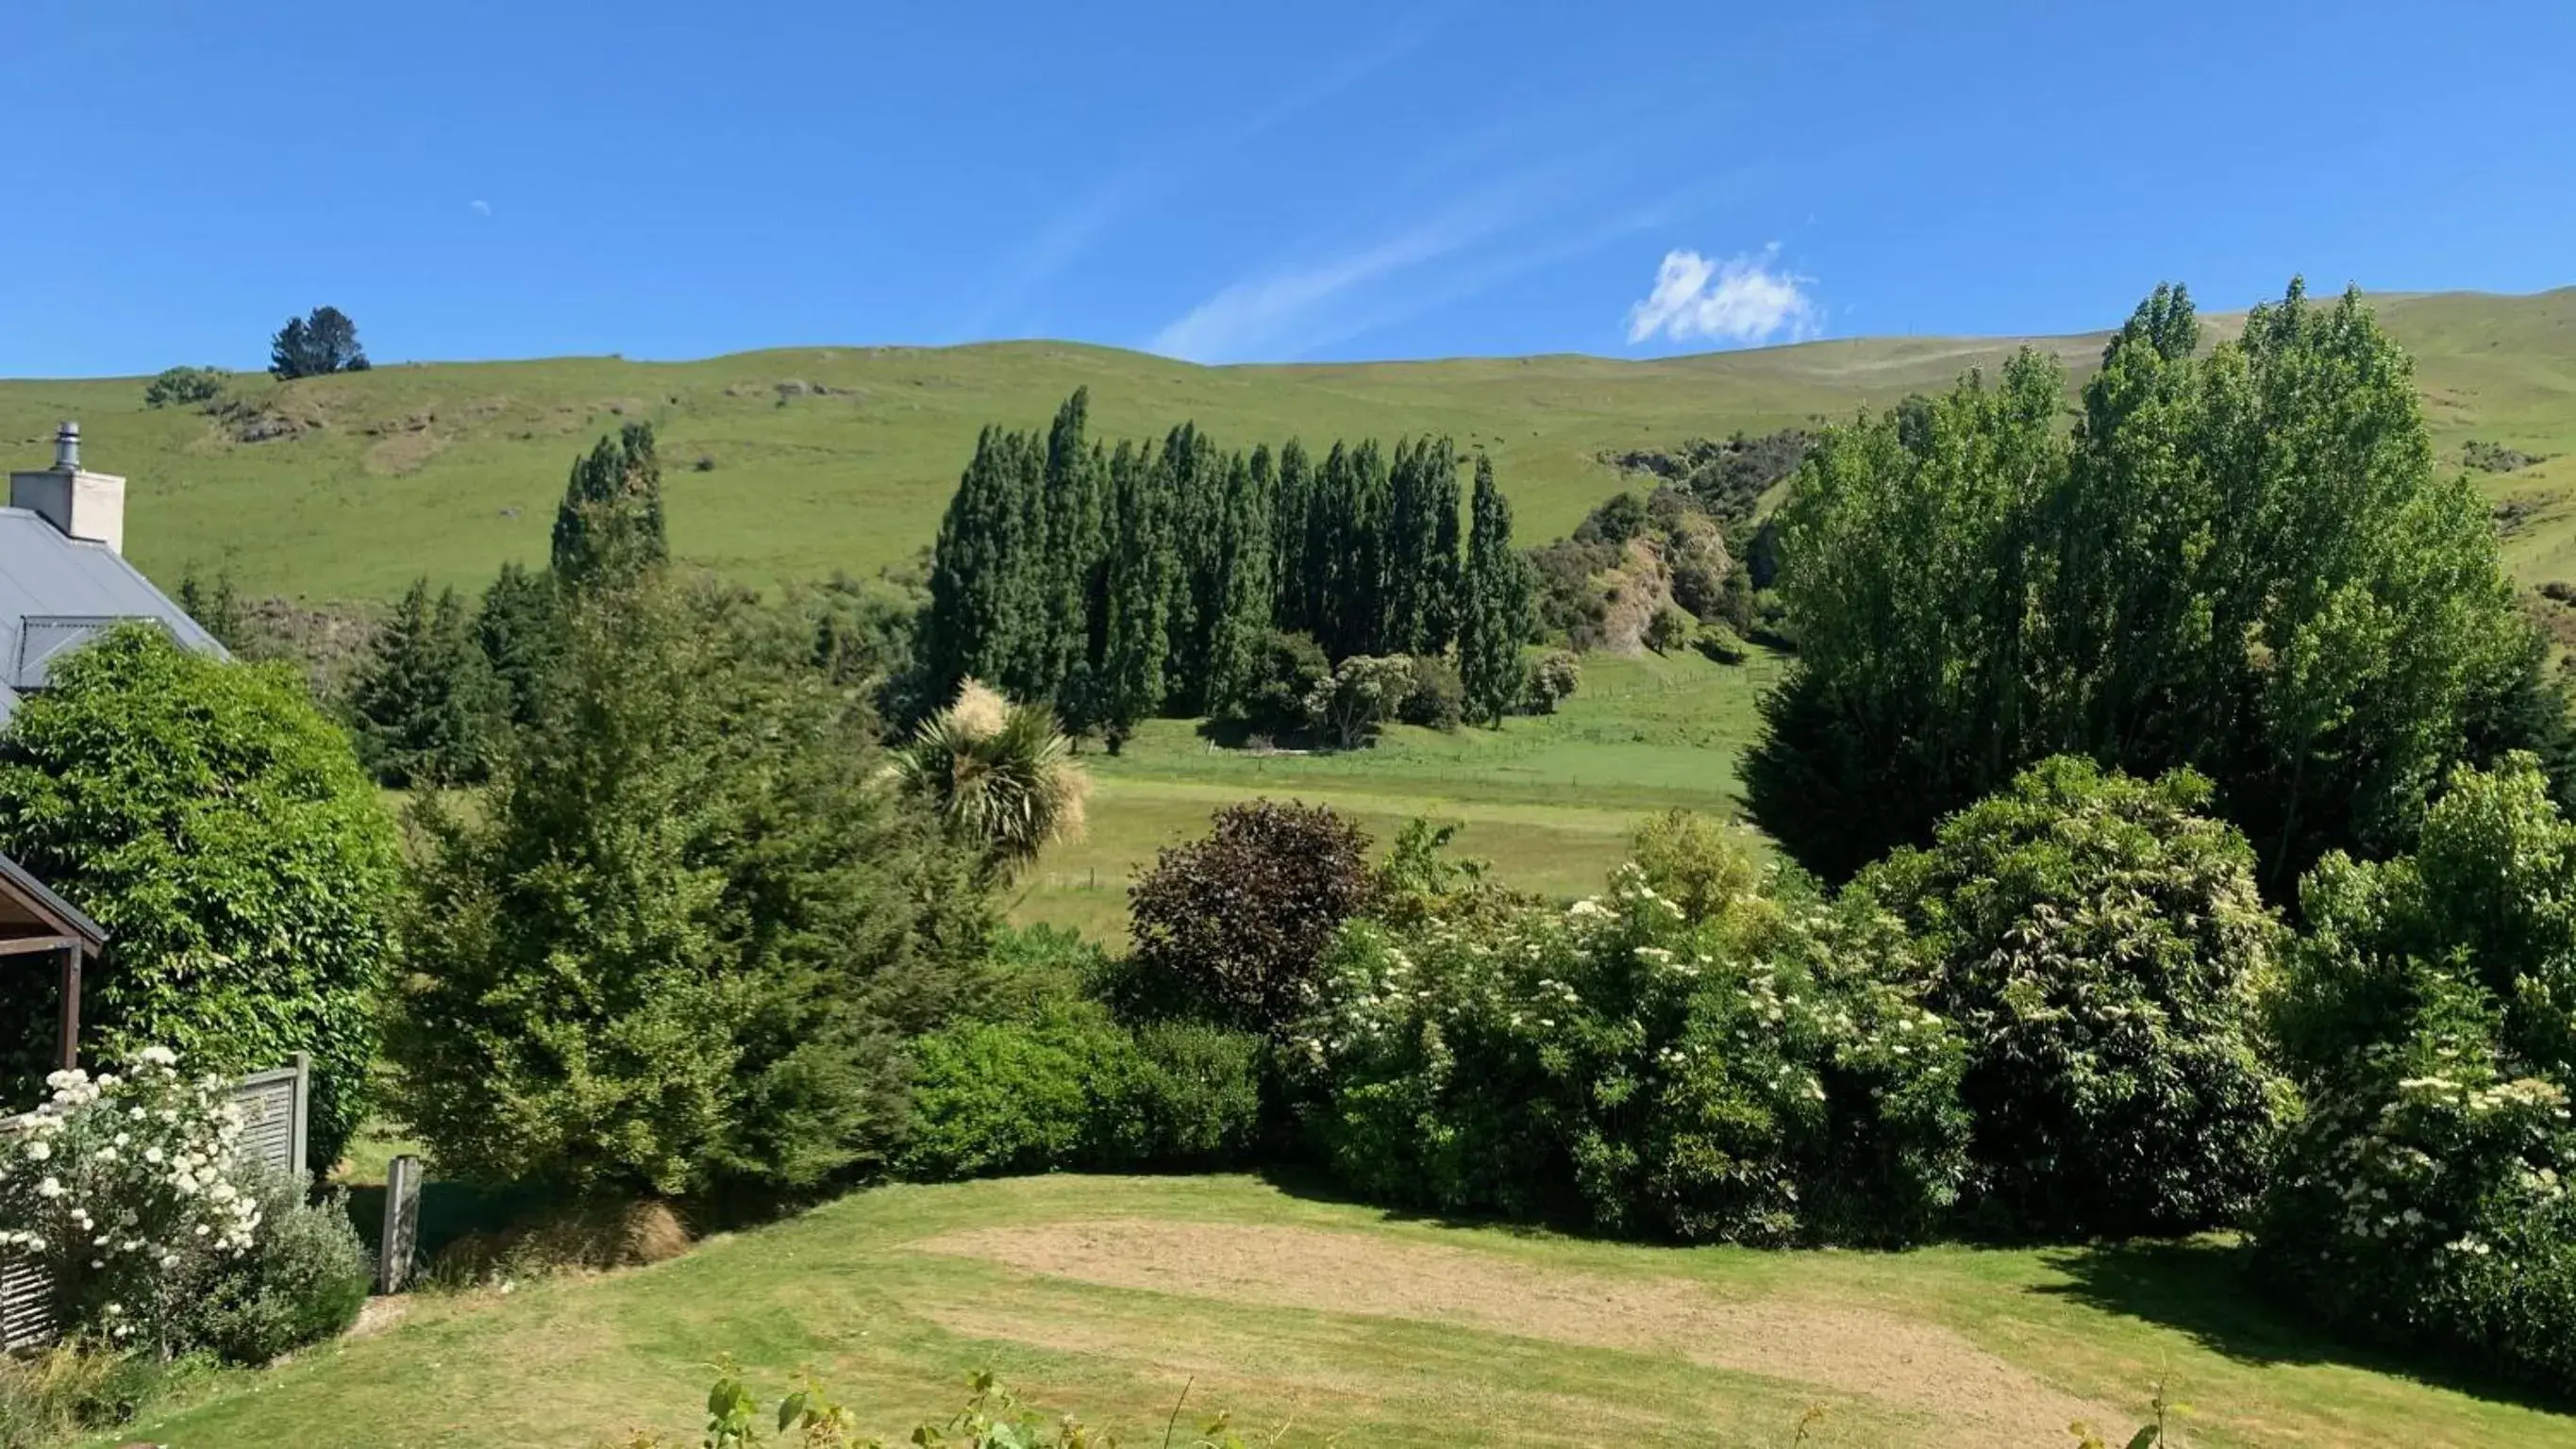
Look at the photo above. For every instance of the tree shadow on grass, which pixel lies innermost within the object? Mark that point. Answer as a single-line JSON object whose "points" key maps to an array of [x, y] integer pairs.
{"points": [[2209, 1290]]}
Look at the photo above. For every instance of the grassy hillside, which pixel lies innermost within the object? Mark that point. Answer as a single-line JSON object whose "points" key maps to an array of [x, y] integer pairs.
{"points": [[1108, 1297], [825, 458]]}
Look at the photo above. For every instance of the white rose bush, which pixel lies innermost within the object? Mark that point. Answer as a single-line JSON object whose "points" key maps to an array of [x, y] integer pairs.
{"points": [[127, 1187]]}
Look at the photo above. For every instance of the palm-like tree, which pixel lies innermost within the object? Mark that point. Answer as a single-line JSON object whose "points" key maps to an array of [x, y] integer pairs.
{"points": [[1000, 774]]}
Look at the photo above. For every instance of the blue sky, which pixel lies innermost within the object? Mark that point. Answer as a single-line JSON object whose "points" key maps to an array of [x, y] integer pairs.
{"points": [[1246, 182]]}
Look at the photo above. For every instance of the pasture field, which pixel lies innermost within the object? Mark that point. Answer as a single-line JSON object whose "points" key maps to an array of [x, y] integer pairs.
{"points": [[1549, 800], [1331, 1324]]}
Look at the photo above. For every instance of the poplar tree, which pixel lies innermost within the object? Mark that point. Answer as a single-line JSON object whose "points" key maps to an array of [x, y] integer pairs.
{"points": [[976, 571], [1244, 592], [1290, 497], [1130, 681], [1074, 563], [1494, 600], [608, 529]]}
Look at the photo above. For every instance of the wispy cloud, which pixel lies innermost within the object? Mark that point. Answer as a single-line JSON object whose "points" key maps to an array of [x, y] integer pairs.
{"points": [[1063, 238], [1743, 300], [480, 208], [1253, 317]]}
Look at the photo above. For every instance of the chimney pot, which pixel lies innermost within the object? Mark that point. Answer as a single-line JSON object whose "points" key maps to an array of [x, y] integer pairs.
{"points": [[67, 448]]}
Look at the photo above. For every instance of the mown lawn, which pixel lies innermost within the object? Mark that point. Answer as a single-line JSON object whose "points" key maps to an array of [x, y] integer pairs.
{"points": [[1109, 1296], [1550, 801]]}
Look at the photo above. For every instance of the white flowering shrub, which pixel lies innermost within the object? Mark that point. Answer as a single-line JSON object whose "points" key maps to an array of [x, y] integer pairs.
{"points": [[2424, 1198], [1745, 1077], [124, 1186]]}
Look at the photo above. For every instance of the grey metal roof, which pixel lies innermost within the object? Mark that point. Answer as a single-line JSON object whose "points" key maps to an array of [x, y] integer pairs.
{"points": [[56, 591]]}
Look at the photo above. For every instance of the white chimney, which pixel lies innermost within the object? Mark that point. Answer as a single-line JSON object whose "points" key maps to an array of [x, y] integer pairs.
{"points": [[80, 503]]}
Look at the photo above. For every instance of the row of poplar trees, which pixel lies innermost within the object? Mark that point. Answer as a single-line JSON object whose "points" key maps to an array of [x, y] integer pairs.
{"points": [[1124, 583]]}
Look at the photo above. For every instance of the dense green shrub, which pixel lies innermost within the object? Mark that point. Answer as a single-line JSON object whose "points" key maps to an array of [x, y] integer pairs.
{"points": [[1436, 699], [1619, 1066], [303, 1280], [2425, 1196], [1720, 644], [1363, 692], [1227, 928], [1553, 677], [1071, 1088], [1286, 669], [679, 947], [219, 827], [181, 386], [1669, 630], [2099, 943]]}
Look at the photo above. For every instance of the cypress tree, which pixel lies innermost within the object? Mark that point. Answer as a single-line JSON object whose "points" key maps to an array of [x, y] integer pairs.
{"points": [[1130, 682], [1244, 596], [1494, 613], [609, 526]]}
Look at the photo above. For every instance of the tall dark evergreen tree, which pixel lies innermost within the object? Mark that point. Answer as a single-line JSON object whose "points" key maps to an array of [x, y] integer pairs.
{"points": [[977, 570], [1495, 602], [1290, 499], [425, 703], [1244, 594], [1191, 481], [608, 528], [322, 341], [1420, 548], [1130, 681], [1075, 559], [519, 628]]}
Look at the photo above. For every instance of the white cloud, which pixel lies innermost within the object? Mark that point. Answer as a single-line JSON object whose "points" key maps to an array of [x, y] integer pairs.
{"points": [[481, 208], [1743, 299]]}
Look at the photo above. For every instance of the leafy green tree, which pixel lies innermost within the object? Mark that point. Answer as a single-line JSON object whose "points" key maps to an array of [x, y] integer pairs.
{"points": [[1363, 692], [1076, 561], [2241, 563], [1135, 637], [1291, 499], [425, 704], [1495, 601], [320, 342], [1421, 548], [218, 826], [608, 528], [2097, 941], [678, 947]]}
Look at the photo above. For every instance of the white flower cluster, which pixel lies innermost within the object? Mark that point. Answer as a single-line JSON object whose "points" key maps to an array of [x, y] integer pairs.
{"points": [[125, 1181]]}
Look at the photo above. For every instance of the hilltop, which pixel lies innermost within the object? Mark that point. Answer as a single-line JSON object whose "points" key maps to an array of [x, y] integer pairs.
{"points": [[792, 463]]}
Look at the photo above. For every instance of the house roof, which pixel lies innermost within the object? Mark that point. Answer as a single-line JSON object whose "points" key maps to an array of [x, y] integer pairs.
{"points": [[56, 592]]}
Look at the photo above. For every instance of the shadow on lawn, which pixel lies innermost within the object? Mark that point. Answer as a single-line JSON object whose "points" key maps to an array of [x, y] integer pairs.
{"points": [[2208, 1290]]}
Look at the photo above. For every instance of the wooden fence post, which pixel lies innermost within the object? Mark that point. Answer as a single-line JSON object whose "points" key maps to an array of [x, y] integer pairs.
{"points": [[402, 1224]]}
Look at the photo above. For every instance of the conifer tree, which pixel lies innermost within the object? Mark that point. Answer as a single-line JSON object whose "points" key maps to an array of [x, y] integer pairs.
{"points": [[519, 630], [1494, 605], [1130, 681], [609, 527], [424, 703]]}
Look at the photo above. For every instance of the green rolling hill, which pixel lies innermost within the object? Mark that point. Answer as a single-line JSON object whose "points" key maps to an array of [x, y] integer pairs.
{"points": [[792, 463]]}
